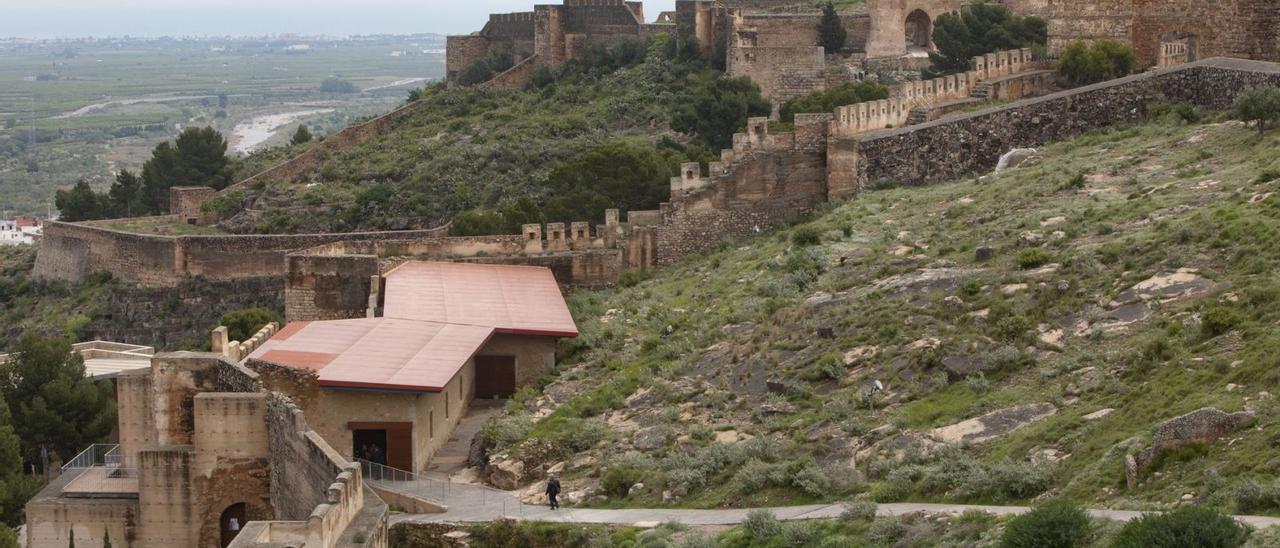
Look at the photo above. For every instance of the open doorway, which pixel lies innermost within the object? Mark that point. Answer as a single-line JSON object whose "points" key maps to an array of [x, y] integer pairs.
{"points": [[919, 30], [370, 445], [231, 522]]}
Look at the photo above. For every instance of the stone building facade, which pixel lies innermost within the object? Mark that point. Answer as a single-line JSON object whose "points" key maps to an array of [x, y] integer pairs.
{"points": [[547, 36], [207, 458]]}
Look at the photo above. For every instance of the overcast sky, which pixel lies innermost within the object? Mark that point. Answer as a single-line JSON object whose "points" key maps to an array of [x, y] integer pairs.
{"points": [[74, 18]]}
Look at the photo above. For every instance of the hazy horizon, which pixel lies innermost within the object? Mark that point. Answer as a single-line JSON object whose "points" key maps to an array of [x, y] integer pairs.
{"points": [[149, 18]]}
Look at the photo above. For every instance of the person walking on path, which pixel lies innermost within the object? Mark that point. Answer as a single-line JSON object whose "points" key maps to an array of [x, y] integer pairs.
{"points": [[553, 490]]}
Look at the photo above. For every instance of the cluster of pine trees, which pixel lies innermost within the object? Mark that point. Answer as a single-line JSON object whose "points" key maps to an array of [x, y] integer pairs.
{"points": [[197, 158]]}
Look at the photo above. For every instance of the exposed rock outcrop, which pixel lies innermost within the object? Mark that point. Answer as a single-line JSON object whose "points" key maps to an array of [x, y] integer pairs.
{"points": [[1200, 427]]}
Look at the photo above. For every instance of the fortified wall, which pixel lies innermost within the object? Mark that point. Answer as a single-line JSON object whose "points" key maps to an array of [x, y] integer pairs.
{"points": [[1197, 29], [548, 36], [768, 178]]}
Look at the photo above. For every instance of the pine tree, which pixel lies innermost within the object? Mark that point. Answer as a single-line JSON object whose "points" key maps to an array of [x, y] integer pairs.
{"points": [[124, 194], [106, 538], [80, 203], [301, 136], [52, 404], [831, 30]]}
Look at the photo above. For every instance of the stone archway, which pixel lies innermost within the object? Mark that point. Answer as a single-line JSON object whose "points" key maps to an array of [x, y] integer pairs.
{"points": [[231, 522], [919, 31]]}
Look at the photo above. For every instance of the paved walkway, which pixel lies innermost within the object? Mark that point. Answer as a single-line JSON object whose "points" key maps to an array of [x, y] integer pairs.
{"points": [[475, 503]]}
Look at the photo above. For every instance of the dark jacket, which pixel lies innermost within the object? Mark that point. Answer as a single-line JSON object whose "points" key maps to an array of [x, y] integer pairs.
{"points": [[553, 486]]}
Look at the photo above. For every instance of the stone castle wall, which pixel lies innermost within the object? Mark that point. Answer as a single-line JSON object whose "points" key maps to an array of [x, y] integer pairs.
{"points": [[951, 148], [70, 252]]}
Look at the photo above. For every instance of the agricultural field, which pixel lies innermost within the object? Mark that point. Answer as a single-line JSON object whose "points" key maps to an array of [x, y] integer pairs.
{"points": [[85, 109]]}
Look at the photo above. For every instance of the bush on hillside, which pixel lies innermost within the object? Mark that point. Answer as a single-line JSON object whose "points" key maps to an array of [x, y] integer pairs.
{"points": [[485, 68], [1260, 105], [1083, 64], [980, 29], [1185, 527], [806, 235], [338, 85], [828, 100], [243, 324], [1034, 257], [619, 478], [714, 107], [1055, 524]]}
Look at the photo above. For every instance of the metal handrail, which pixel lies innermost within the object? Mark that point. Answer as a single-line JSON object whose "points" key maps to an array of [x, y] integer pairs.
{"points": [[402, 480]]}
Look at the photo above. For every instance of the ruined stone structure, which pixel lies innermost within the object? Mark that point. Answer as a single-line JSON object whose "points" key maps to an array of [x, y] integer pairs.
{"points": [[186, 203], [780, 52], [206, 458], [905, 27], [548, 36], [1194, 29]]}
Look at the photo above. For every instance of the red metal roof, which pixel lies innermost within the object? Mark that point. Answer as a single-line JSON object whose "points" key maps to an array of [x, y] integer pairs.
{"points": [[383, 353], [437, 316], [511, 299]]}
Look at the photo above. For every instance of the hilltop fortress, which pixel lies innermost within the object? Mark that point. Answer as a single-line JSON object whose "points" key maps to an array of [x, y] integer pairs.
{"points": [[915, 137]]}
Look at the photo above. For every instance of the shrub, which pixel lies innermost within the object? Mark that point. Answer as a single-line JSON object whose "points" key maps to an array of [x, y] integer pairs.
{"points": [[886, 531], [806, 235], [243, 324], [827, 100], [338, 85], [618, 479], [1251, 496], [1103, 60], [1185, 527], [506, 430], [1012, 328], [978, 384], [751, 477], [762, 525], [859, 510], [1033, 257], [812, 480], [1054, 524], [1219, 320], [1181, 112], [1260, 104], [632, 278]]}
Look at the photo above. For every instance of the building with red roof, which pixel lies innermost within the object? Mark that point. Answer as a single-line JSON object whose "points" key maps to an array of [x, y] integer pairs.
{"points": [[391, 388]]}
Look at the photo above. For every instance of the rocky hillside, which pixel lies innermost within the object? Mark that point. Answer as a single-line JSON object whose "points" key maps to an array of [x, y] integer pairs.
{"points": [[1098, 323]]}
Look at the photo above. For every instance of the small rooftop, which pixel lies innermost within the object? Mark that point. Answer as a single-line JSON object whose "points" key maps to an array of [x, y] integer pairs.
{"points": [[436, 318], [106, 360], [522, 300]]}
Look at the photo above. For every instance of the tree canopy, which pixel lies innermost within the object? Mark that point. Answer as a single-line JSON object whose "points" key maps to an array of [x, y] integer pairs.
{"points": [[303, 135], [715, 107], [197, 158], [1102, 60], [831, 33], [51, 403], [1260, 105], [828, 100], [980, 29]]}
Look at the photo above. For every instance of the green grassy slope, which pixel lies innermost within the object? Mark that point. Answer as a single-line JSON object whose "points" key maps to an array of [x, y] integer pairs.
{"points": [[773, 342], [467, 148]]}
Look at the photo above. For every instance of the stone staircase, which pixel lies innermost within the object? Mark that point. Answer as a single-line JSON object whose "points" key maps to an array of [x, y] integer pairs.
{"points": [[982, 91], [918, 116]]}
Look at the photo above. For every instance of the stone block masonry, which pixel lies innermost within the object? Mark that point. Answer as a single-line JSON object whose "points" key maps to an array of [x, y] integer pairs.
{"points": [[951, 148]]}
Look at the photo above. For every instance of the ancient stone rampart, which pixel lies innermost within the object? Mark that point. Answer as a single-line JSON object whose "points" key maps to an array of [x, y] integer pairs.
{"points": [[905, 97], [964, 144], [72, 251]]}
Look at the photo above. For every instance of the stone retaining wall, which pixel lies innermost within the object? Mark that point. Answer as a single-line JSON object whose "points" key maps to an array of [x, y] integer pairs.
{"points": [[950, 148]]}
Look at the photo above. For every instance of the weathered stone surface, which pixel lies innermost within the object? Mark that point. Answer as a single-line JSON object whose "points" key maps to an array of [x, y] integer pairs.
{"points": [[994, 424], [1199, 427]]}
